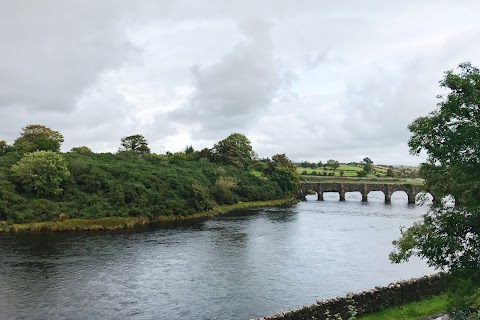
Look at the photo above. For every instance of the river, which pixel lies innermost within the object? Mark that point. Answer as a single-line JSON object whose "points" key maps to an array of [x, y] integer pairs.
{"points": [[241, 266]]}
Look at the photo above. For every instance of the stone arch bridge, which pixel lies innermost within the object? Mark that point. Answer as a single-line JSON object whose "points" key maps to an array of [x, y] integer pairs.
{"points": [[364, 188]]}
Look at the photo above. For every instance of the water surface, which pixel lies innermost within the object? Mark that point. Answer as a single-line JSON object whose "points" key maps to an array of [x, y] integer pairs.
{"points": [[241, 266]]}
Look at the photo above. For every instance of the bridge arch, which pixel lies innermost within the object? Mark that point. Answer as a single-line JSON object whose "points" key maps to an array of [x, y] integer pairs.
{"points": [[363, 188]]}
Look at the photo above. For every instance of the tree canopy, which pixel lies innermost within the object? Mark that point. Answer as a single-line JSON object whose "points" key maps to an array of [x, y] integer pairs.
{"points": [[83, 150], [3, 147], [333, 164], [234, 150], [135, 143], [281, 170], [449, 237], [41, 172], [36, 137], [367, 165]]}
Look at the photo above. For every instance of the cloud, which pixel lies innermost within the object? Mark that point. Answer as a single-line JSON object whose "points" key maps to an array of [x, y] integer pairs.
{"points": [[230, 93], [310, 78], [51, 51]]}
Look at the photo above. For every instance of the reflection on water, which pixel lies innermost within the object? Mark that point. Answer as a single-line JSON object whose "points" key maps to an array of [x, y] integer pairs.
{"points": [[235, 267]]}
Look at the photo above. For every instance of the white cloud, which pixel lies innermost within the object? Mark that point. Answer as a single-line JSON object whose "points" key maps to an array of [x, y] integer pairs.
{"points": [[313, 79]]}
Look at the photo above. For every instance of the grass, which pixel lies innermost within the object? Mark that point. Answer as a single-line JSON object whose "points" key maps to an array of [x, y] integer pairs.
{"points": [[111, 223], [348, 171], [414, 310]]}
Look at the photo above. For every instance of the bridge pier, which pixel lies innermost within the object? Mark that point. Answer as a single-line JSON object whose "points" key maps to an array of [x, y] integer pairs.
{"points": [[319, 196], [364, 197], [411, 198], [388, 198], [388, 194]]}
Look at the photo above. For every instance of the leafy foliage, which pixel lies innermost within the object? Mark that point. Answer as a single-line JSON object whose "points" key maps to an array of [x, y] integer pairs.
{"points": [[41, 172], [281, 170], [45, 185], [36, 137], [83, 149], [234, 150], [449, 238], [135, 143], [102, 185], [390, 173], [3, 147], [367, 165], [333, 164]]}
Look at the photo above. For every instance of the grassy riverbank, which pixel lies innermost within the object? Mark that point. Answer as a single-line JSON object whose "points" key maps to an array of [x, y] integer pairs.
{"points": [[111, 223], [412, 311]]}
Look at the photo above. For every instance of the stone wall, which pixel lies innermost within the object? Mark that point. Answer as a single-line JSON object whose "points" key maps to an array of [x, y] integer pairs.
{"points": [[370, 301]]}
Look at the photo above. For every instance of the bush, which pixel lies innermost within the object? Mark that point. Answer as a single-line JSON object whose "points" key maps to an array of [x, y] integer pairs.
{"points": [[102, 185], [41, 172], [362, 173]]}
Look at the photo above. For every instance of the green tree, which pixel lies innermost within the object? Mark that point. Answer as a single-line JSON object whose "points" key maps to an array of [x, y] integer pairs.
{"points": [[362, 173], [36, 137], [390, 172], [449, 238], [305, 164], [333, 164], [367, 165], [281, 170], [82, 150], [188, 149], [135, 143], [234, 150], [367, 160], [41, 172], [3, 147]]}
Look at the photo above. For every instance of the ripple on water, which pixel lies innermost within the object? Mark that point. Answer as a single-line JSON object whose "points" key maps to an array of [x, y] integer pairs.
{"points": [[240, 266]]}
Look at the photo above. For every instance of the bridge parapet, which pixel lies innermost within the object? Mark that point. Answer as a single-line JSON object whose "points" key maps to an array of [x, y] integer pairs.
{"points": [[364, 188]]}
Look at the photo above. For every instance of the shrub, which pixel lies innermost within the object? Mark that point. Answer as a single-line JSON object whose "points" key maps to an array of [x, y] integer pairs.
{"points": [[41, 172]]}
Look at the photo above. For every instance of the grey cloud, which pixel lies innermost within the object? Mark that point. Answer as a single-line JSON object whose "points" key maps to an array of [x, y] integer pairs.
{"points": [[51, 51], [229, 93], [299, 84], [380, 109]]}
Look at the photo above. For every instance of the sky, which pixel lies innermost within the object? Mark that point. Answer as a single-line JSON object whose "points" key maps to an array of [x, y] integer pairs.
{"points": [[315, 79]]}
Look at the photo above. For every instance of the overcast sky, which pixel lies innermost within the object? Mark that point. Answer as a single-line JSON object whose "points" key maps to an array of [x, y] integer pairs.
{"points": [[312, 79]]}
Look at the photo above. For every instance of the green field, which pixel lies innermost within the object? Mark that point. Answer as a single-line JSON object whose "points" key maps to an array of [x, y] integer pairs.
{"points": [[348, 171]]}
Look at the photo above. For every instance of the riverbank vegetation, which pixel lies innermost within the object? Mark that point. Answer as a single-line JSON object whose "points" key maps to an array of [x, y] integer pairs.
{"points": [[38, 183], [111, 223], [448, 238]]}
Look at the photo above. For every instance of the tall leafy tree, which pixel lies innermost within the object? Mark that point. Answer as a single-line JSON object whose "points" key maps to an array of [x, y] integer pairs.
{"points": [[281, 170], [36, 137], [41, 172], [449, 238], [333, 164], [234, 150], [135, 143], [367, 165]]}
